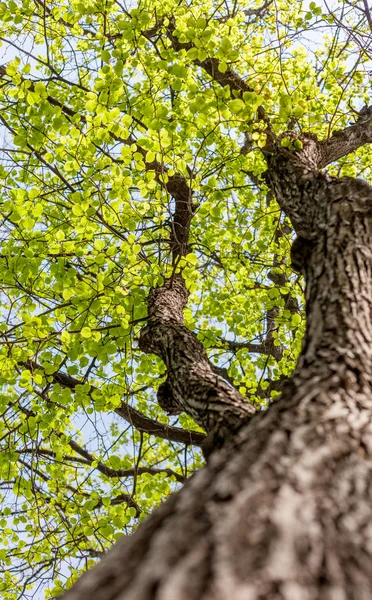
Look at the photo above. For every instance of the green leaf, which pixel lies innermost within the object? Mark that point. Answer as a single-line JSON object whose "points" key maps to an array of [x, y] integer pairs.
{"points": [[191, 258], [236, 106], [33, 98], [105, 56], [226, 45], [296, 319], [115, 462], [86, 332], [297, 111]]}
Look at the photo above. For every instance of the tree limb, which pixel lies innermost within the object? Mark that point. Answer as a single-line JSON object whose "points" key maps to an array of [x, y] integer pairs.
{"points": [[347, 140], [130, 414], [266, 347], [191, 385]]}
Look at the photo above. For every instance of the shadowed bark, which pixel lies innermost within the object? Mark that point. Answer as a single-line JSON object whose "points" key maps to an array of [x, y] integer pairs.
{"points": [[284, 510]]}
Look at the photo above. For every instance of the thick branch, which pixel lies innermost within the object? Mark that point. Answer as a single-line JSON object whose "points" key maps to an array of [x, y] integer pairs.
{"points": [[302, 191], [153, 427], [101, 467], [131, 415], [191, 384], [266, 347], [347, 140], [110, 472]]}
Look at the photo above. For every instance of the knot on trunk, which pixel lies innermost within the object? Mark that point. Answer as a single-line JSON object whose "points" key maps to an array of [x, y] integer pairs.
{"points": [[301, 250], [167, 401]]}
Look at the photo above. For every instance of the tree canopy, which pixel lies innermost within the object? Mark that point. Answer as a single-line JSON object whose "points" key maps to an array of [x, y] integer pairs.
{"points": [[133, 150]]}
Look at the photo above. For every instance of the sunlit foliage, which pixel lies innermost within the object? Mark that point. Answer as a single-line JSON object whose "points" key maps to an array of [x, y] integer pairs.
{"points": [[106, 110]]}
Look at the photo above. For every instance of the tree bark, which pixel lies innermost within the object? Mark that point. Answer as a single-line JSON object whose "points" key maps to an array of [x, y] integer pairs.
{"points": [[284, 510]]}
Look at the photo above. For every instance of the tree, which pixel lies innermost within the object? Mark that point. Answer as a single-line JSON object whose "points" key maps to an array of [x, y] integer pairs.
{"points": [[170, 173]]}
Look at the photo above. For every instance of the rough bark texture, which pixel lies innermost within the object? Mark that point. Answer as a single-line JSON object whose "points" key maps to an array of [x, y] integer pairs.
{"points": [[284, 510], [191, 384]]}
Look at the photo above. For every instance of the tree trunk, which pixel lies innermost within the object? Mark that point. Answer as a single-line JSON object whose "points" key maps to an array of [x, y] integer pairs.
{"points": [[284, 509]]}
